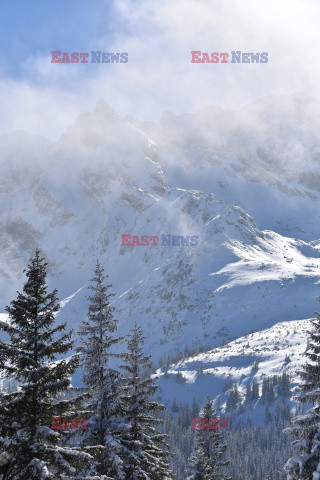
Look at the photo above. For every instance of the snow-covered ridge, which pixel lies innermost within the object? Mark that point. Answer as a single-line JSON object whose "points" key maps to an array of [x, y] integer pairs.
{"points": [[245, 192], [207, 372], [274, 257]]}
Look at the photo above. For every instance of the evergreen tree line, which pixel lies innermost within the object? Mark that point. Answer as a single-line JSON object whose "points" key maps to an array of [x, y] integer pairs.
{"points": [[272, 387], [305, 428], [165, 361], [197, 454], [130, 446], [277, 386], [254, 452], [260, 453], [133, 443]]}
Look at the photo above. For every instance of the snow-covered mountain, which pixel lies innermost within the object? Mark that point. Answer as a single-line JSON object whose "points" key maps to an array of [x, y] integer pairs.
{"points": [[269, 150], [244, 182], [275, 350]]}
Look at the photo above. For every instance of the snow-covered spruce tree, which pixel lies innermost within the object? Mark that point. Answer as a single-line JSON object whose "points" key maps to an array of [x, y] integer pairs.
{"points": [[207, 460], [248, 394], [104, 383], [255, 390], [29, 448], [305, 463], [146, 456], [267, 414], [195, 407], [284, 385], [233, 399], [175, 407]]}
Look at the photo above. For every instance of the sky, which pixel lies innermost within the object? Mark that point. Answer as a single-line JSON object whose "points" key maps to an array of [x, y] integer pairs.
{"points": [[44, 98]]}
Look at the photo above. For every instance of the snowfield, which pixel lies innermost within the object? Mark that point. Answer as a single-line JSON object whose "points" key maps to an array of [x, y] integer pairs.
{"points": [[245, 182], [235, 361]]}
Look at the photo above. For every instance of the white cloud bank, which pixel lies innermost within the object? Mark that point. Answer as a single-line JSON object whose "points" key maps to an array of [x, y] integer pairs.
{"points": [[159, 37]]}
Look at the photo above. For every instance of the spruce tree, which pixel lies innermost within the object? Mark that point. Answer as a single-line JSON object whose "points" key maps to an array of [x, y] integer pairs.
{"points": [[255, 366], [195, 407], [255, 389], [271, 395], [265, 391], [248, 394], [233, 399], [267, 414], [97, 340], [207, 460], [146, 456], [174, 407], [227, 385], [248, 420], [184, 416], [282, 413], [29, 448], [305, 464], [284, 385], [218, 404]]}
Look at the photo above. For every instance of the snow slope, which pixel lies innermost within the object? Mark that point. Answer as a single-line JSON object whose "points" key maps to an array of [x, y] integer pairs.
{"points": [[268, 151], [235, 360], [245, 182]]}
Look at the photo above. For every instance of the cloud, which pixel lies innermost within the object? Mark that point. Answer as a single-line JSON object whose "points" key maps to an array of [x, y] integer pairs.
{"points": [[159, 76]]}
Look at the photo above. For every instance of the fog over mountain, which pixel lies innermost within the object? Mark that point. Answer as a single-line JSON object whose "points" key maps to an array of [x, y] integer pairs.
{"points": [[246, 182]]}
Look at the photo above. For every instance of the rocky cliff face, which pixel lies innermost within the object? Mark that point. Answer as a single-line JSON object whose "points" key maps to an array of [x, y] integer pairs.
{"points": [[244, 182]]}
